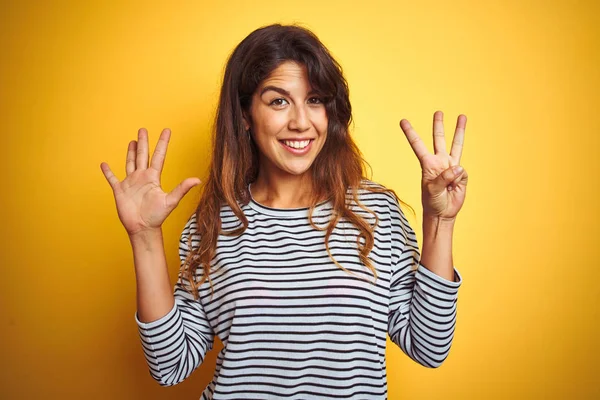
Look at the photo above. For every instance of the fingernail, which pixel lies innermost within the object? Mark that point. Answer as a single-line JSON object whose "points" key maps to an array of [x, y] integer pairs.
{"points": [[458, 169]]}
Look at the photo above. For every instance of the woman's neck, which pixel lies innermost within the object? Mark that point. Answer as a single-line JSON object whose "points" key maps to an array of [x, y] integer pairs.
{"points": [[291, 191]]}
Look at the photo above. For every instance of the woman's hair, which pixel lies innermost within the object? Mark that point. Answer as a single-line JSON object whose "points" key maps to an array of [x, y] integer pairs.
{"points": [[339, 166]]}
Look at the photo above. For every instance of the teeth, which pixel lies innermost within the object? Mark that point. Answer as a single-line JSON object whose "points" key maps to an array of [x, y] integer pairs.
{"points": [[297, 144]]}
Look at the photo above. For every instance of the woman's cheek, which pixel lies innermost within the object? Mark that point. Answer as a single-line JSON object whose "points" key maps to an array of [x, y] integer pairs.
{"points": [[275, 123], [320, 120]]}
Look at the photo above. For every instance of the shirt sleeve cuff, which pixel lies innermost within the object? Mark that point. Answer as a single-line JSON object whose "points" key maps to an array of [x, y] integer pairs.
{"points": [[442, 283], [158, 322]]}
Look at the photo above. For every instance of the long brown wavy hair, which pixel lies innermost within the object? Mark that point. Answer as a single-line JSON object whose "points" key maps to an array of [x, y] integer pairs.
{"points": [[339, 166]]}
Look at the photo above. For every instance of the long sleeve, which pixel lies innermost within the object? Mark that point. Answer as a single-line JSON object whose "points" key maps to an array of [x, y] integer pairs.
{"points": [[422, 308], [176, 344]]}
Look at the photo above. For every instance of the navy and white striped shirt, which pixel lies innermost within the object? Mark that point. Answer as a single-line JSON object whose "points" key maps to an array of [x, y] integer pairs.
{"points": [[293, 324]]}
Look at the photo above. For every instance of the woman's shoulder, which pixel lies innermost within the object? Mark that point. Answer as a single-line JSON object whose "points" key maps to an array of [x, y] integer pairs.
{"points": [[370, 190], [227, 216]]}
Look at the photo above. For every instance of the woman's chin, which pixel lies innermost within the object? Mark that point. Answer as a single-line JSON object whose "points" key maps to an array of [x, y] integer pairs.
{"points": [[297, 169]]}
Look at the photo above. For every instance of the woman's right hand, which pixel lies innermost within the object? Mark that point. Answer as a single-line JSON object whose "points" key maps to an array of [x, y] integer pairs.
{"points": [[142, 205]]}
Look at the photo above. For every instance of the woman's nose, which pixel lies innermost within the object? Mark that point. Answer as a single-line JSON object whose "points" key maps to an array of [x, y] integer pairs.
{"points": [[299, 120]]}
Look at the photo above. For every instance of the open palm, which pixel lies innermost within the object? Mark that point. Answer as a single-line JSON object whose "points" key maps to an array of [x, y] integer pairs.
{"points": [[141, 203], [443, 188]]}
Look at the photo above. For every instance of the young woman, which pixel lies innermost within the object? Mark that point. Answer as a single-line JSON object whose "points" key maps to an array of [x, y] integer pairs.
{"points": [[294, 259]]}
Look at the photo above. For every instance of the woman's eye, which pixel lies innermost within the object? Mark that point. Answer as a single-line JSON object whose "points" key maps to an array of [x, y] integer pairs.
{"points": [[278, 102], [315, 100]]}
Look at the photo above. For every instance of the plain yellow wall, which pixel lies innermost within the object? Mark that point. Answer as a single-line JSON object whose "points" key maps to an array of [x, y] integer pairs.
{"points": [[77, 79]]}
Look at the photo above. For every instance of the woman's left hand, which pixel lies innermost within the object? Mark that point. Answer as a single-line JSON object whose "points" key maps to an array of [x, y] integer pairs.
{"points": [[443, 189]]}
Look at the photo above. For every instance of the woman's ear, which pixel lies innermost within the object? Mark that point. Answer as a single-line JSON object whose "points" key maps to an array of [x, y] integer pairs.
{"points": [[246, 121]]}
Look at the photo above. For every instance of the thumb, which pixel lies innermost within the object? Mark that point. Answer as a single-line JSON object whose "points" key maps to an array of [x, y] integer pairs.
{"points": [[447, 177], [175, 196]]}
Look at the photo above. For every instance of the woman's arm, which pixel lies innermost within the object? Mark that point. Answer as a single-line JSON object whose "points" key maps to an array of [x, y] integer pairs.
{"points": [[154, 291], [437, 246], [422, 308], [176, 343]]}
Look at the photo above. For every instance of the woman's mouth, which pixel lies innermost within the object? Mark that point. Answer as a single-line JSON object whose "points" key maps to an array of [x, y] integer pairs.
{"points": [[298, 147]]}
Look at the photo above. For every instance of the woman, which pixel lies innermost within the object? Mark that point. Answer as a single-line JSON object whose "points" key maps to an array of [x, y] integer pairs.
{"points": [[299, 263]]}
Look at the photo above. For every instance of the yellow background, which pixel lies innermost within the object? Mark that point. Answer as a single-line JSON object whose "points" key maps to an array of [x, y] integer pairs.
{"points": [[77, 79]]}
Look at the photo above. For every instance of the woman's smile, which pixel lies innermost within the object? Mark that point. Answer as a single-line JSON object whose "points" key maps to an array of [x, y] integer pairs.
{"points": [[298, 147]]}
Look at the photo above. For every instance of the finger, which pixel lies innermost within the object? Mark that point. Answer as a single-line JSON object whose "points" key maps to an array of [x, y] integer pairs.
{"points": [[175, 196], [160, 152], [141, 161], [413, 138], [462, 177], [459, 138], [439, 138], [110, 177], [130, 163]]}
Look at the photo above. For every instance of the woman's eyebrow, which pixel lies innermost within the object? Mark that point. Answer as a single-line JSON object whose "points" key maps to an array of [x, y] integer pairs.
{"points": [[281, 91], [276, 89]]}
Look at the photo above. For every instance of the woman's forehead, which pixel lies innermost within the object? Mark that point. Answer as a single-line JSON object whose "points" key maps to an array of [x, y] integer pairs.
{"points": [[288, 75]]}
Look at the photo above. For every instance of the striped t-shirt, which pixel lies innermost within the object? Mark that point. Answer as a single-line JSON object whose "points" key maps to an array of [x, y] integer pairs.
{"points": [[293, 324]]}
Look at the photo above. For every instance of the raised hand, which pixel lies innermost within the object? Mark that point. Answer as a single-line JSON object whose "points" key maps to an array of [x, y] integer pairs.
{"points": [[444, 182], [142, 205]]}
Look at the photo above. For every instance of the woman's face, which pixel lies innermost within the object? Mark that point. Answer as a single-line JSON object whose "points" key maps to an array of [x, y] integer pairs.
{"points": [[289, 122]]}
